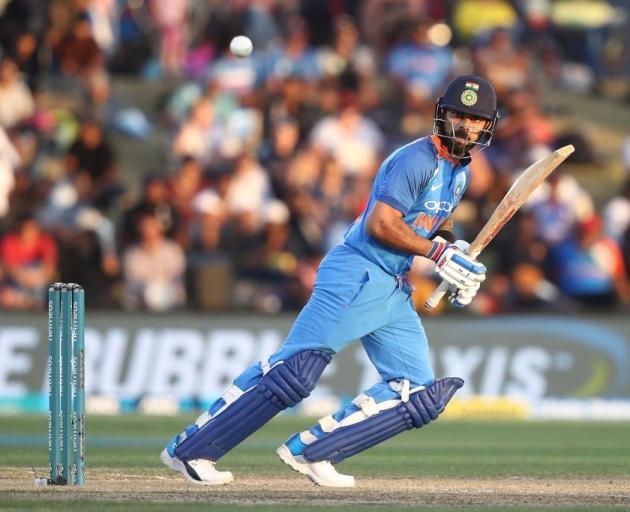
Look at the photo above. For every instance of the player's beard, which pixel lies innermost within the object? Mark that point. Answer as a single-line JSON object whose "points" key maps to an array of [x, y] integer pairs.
{"points": [[457, 145], [460, 148]]}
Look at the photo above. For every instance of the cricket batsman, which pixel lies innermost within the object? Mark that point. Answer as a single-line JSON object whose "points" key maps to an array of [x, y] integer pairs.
{"points": [[362, 292]]}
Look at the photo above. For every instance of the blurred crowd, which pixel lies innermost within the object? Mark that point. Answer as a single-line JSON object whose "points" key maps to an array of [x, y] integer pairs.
{"points": [[266, 160]]}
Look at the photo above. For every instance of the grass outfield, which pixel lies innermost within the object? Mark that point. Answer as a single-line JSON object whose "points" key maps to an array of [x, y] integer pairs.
{"points": [[516, 466]]}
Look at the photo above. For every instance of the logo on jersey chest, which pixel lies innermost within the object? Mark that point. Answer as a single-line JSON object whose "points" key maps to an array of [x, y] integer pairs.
{"points": [[426, 222], [439, 206]]}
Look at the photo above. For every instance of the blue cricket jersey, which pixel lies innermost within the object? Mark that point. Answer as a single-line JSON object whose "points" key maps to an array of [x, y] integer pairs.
{"points": [[423, 186]]}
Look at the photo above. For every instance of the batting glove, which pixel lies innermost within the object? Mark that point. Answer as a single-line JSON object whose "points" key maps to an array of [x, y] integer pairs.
{"points": [[463, 297], [454, 266]]}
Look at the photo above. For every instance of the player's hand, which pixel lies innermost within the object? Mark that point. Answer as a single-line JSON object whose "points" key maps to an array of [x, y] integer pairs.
{"points": [[454, 266], [462, 297]]}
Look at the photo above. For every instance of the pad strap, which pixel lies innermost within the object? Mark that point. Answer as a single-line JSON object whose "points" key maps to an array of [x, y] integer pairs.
{"points": [[423, 406], [284, 385]]}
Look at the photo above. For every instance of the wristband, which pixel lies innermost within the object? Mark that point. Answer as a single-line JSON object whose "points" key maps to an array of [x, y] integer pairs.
{"points": [[437, 250]]}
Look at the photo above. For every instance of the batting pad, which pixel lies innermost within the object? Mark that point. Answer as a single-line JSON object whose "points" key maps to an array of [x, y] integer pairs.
{"points": [[417, 409], [284, 385]]}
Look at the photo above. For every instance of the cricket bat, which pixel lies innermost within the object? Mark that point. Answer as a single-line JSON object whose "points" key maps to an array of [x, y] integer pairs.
{"points": [[522, 188]]}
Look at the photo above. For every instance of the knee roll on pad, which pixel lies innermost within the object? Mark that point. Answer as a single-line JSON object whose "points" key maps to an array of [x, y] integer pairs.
{"points": [[422, 407], [286, 384]]}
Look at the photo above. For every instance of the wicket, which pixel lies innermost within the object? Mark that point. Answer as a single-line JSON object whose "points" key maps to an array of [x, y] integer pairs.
{"points": [[66, 384]]}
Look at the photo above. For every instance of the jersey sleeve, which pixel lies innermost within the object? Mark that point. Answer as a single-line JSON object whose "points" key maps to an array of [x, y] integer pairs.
{"points": [[405, 179]]}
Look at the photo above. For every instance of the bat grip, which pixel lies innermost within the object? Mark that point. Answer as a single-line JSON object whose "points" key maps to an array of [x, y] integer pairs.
{"points": [[436, 296]]}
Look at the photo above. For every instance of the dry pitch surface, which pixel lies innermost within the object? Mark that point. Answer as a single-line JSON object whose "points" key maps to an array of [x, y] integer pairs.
{"points": [[157, 487], [445, 466]]}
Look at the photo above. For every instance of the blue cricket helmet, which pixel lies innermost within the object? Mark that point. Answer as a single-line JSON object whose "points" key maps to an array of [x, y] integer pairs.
{"points": [[472, 95]]}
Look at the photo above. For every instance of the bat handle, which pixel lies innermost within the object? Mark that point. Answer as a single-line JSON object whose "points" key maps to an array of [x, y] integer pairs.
{"points": [[436, 296]]}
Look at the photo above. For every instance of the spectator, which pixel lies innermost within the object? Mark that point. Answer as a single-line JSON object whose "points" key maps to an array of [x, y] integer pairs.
{"points": [[590, 267], [133, 48], [154, 269], [503, 63], [292, 101], [15, 18], [531, 292], [419, 65], [558, 205], [26, 58], [69, 213], [267, 258], [156, 198], [347, 52], [234, 75], [77, 52], [16, 101], [92, 153], [209, 226], [248, 192], [103, 15], [352, 139], [304, 171], [184, 187], [581, 31], [475, 18], [277, 153], [198, 137], [520, 242], [617, 214], [212, 257], [9, 160], [524, 135], [296, 57], [309, 217], [275, 257], [259, 23], [26, 197], [381, 20], [28, 260]]}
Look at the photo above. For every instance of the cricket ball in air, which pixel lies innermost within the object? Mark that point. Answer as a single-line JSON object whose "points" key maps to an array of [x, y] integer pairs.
{"points": [[241, 46]]}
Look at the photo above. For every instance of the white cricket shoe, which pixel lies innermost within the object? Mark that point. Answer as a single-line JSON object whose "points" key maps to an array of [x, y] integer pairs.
{"points": [[322, 473], [197, 471]]}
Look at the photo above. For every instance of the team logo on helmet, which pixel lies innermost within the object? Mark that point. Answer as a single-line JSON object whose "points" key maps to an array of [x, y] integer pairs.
{"points": [[469, 97]]}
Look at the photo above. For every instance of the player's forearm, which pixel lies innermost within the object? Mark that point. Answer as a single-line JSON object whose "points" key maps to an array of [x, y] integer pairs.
{"points": [[395, 233]]}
